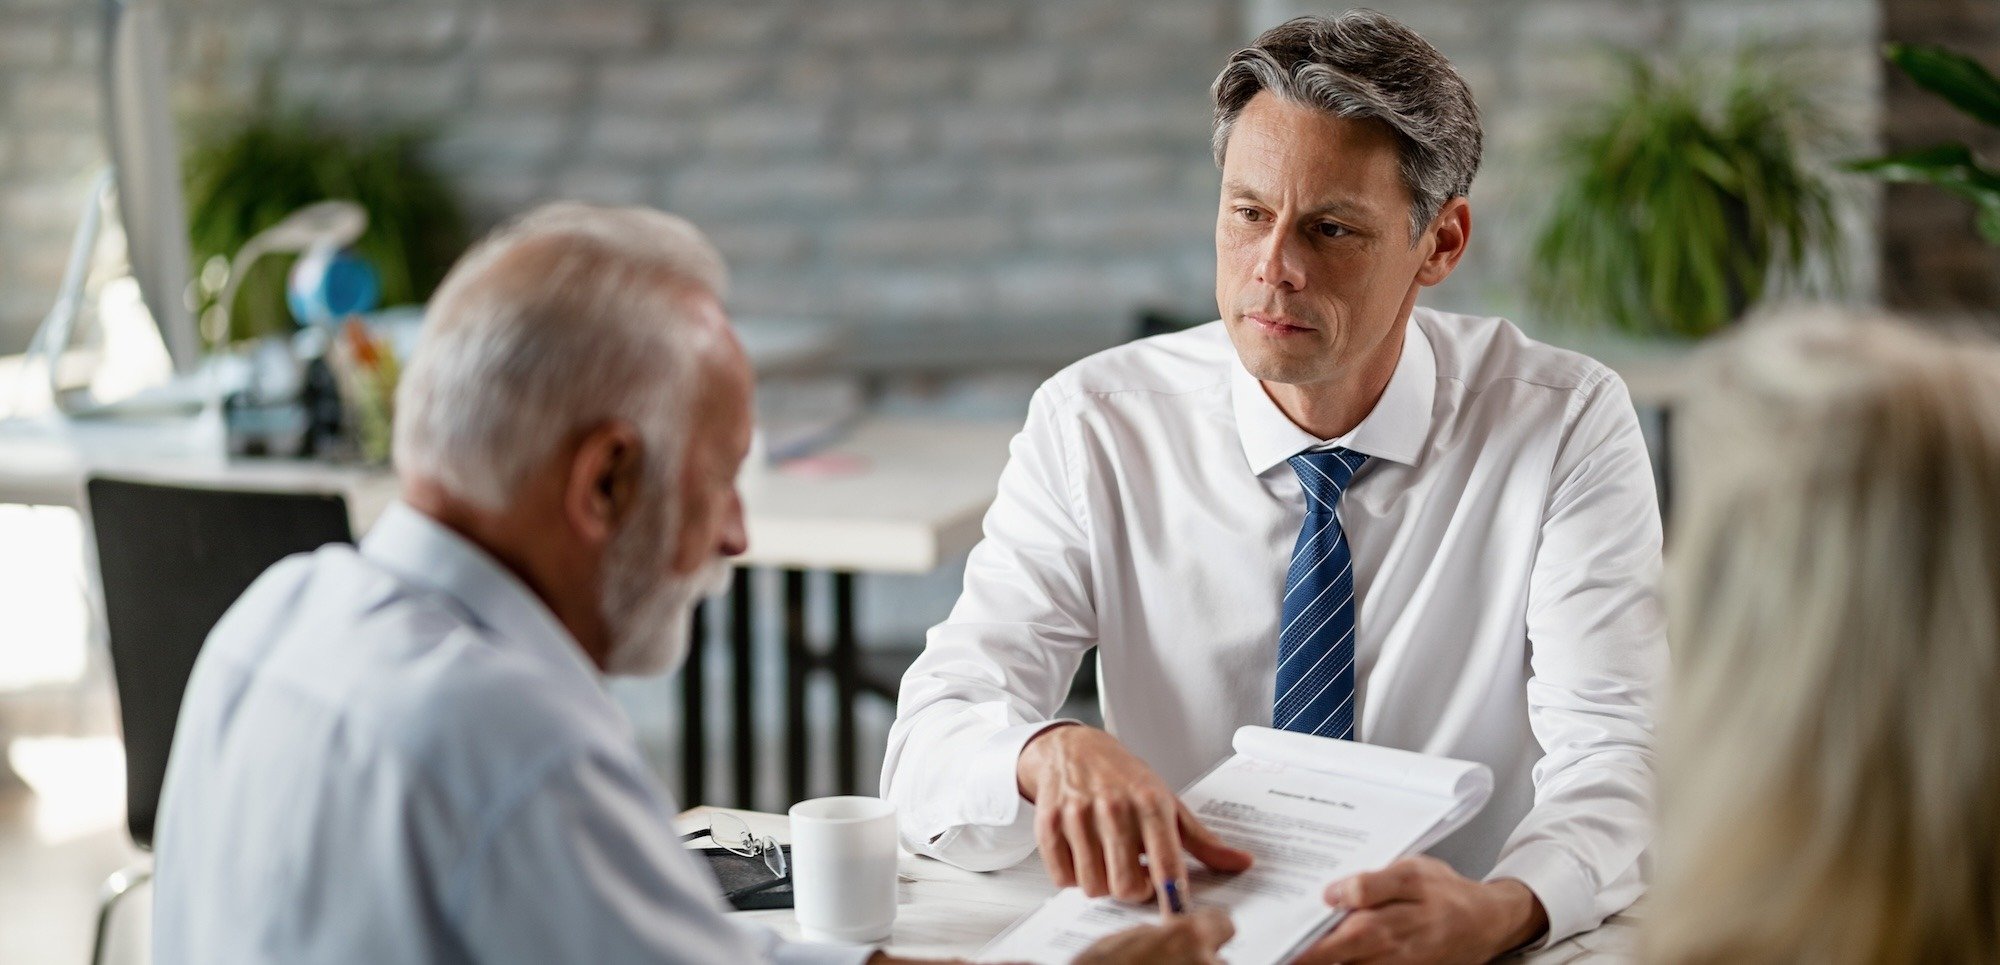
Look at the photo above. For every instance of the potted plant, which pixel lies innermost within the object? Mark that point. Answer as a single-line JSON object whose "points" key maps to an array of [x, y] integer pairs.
{"points": [[1683, 199]]}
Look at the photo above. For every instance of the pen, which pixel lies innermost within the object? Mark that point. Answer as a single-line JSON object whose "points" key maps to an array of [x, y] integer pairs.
{"points": [[1173, 897]]}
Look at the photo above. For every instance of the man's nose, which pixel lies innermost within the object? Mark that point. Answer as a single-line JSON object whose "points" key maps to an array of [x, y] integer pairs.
{"points": [[1277, 262], [735, 537]]}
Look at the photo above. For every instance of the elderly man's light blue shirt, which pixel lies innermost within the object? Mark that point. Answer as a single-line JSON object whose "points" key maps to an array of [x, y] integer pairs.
{"points": [[397, 754]]}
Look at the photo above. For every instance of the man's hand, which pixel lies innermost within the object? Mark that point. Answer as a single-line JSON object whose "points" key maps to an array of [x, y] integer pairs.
{"points": [[1098, 808], [1192, 938], [1419, 910]]}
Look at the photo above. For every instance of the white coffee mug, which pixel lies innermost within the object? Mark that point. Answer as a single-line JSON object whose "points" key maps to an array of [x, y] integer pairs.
{"points": [[844, 868]]}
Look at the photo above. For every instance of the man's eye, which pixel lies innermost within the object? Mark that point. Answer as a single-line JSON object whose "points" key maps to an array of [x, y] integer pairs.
{"points": [[1250, 214], [1328, 229]]}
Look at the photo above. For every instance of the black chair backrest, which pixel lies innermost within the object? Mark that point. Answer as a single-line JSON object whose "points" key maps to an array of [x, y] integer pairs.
{"points": [[173, 559]]}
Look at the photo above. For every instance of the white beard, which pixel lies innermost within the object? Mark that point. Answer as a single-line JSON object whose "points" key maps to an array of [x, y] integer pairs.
{"points": [[649, 620]]}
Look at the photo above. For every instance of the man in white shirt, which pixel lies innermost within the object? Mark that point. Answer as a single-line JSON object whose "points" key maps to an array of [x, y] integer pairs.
{"points": [[403, 752], [1484, 590]]}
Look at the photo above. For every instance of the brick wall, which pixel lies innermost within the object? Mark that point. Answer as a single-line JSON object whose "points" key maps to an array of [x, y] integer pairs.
{"points": [[1003, 177], [1037, 168]]}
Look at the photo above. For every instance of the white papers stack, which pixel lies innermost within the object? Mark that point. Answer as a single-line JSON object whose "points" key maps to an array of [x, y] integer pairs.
{"points": [[1312, 810]]}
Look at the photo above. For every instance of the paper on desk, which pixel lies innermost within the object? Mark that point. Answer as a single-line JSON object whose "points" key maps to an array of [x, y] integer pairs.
{"points": [[1306, 827]]}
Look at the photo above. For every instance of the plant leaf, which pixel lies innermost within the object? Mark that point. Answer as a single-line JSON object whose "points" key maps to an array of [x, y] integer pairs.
{"points": [[1921, 164], [1949, 166], [1988, 219], [1959, 79]]}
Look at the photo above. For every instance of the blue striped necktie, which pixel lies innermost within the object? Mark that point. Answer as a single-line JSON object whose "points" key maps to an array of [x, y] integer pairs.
{"points": [[1315, 689]]}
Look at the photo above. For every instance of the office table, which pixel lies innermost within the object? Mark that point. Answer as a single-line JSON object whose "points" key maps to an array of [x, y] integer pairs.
{"points": [[907, 495], [902, 495], [946, 912]]}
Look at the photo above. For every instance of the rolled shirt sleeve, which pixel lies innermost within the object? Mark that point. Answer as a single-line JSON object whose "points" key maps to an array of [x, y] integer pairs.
{"points": [[995, 673], [1598, 652]]}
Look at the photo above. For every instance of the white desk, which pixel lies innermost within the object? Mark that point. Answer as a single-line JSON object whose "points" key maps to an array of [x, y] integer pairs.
{"points": [[904, 496], [45, 461], [915, 499], [946, 912]]}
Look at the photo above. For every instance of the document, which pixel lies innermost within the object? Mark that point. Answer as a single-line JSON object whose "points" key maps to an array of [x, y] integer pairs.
{"points": [[1312, 810]]}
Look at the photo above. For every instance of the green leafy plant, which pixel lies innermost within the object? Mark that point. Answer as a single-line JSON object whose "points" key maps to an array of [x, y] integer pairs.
{"points": [[246, 176], [1966, 85], [1684, 197]]}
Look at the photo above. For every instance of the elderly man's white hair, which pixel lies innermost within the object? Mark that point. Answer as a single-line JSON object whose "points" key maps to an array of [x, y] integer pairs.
{"points": [[568, 317]]}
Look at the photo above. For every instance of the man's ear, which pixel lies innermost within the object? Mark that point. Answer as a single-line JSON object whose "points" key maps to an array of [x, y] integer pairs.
{"points": [[605, 472], [1450, 232]]}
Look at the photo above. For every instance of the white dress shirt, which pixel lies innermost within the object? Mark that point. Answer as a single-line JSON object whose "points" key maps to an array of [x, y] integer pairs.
{"points": [[397, 754], [1506, 543]]}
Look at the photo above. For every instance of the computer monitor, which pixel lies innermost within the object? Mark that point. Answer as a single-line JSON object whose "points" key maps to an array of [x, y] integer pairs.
{"points": [[145, 160]]}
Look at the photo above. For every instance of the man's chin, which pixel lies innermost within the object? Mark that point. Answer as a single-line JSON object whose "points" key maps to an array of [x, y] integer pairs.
{"points": [[1268, 362], [661, 652], [1281, 369], [654, 637]]}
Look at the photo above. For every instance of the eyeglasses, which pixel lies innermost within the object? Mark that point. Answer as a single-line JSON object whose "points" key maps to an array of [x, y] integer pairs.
{"points": [[732, 835]]}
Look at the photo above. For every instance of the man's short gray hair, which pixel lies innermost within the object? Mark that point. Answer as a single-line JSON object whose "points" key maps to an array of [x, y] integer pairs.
{"points": [[1363, 64], [568, 317]]}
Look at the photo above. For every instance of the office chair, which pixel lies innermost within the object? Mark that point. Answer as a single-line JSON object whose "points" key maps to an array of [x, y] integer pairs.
{"points": [[172, 559]]}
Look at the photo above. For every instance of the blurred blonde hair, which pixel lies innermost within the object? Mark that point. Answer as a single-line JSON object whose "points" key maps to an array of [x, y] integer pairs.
{"points": [[1832, 756]]}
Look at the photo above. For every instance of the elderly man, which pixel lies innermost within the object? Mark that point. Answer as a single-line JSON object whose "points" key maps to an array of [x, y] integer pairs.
{"points": [[404, 752], [1331, 511]]}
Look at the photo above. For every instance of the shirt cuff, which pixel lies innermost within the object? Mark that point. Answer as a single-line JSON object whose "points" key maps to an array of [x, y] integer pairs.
{"points": [[996, 771], [1567, 894]]}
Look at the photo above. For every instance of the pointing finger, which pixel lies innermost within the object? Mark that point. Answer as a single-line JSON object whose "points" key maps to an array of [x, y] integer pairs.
{"points": [[1204, 844]]}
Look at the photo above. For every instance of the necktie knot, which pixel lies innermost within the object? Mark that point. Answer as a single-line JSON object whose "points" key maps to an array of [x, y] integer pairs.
{"points": [[1325, 474]]}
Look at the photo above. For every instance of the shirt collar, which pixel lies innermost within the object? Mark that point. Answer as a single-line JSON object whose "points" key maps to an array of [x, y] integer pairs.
{"points": [[1394, 430], [423, 551]]}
